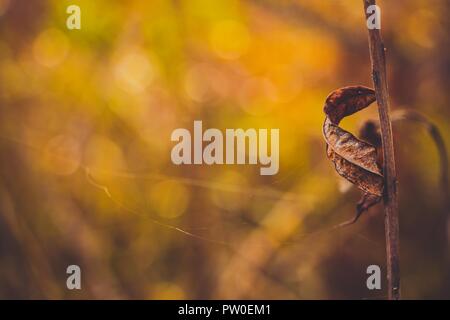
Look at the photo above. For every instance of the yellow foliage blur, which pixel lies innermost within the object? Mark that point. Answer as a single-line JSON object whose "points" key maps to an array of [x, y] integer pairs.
{"points": [[85, 172]]}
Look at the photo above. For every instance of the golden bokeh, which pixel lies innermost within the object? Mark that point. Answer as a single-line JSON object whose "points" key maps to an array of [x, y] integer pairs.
{"points": [[86, 176]]}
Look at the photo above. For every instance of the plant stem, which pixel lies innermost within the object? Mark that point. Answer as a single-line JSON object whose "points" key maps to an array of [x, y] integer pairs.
{"points": [[377, 57]]}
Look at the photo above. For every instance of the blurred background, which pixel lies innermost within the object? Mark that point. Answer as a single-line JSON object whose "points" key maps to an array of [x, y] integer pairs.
{"points": [[85, 172]]}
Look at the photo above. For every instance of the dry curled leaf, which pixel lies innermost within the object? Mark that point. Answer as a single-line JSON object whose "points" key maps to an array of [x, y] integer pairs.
{"points": [[354, 159]]}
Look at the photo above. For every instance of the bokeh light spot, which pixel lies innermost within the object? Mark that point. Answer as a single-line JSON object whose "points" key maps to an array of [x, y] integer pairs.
{"points": [[62, 155], [103, 153], [134, 72], [229, 39], [169, 198], [51, 48]]}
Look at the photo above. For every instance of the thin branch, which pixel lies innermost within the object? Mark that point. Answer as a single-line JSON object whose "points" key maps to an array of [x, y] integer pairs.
{"points": [[377, 57]]}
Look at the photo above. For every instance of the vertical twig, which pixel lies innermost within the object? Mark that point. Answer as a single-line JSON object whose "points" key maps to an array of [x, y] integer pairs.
{"points": [[377, 57]]}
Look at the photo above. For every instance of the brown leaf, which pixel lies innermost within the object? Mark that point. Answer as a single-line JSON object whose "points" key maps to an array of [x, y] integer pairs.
{"points": [[354, 159], [346, 101]]}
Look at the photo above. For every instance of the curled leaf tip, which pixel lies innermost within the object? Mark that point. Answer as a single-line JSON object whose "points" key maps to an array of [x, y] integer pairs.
{"points": [[346, 101]]}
